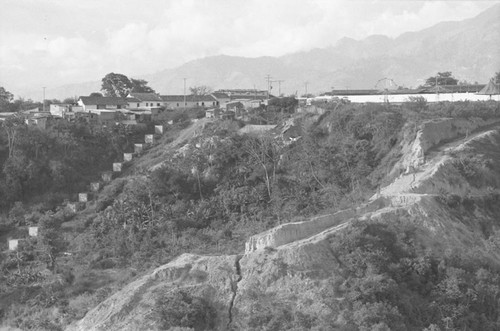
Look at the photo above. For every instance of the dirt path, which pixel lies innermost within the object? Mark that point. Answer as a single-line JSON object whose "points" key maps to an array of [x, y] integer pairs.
{"points": [[407, 182]]}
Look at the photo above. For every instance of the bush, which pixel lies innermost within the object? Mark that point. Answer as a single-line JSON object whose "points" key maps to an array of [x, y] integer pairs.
{"points": [[180, 309]]}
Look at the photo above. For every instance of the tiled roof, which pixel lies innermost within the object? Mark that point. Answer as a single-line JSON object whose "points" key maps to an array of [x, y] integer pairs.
{"points": [[146, 96], [189, 98], [133, 100], [103, 101]]}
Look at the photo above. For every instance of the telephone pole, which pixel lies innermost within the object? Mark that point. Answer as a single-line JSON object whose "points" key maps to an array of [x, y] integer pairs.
{"points": [[305, 84], [184, 105], [279, 81], [43, 101], [268, 78]]}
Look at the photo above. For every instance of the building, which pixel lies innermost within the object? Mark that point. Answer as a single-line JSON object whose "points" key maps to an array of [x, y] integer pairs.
{"points": [[191, 101], [222, 98], [144, 101], [98, 102], [244, 93]]}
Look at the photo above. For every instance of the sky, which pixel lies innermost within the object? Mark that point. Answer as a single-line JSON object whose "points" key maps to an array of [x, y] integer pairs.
{"points": [[57, 42]]}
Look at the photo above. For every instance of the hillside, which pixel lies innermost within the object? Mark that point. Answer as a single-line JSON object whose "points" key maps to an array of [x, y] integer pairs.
{"points": [[386, 262], [467, 48], [364, 217]]}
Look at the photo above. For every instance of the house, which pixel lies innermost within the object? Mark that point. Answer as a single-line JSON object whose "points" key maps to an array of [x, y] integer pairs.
{"points": [[212, 113], [144, 101], [64, 110], [98, 102], [222, 98], [39, 121], [244, 93], [189, 101]]}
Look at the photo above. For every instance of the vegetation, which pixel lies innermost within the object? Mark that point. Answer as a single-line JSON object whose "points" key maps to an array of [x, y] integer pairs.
{"points": [[180, 309], [442, 78], [208, 197], [119, 85]]}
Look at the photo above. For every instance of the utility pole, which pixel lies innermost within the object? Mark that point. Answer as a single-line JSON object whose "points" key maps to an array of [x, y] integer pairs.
{"points": [[43, 101], [305, 84], [184, 105], [268, 78], [279, 81]]}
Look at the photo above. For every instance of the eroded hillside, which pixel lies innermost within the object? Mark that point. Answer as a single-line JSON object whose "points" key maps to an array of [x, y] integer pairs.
{"points": [[422, 252]]}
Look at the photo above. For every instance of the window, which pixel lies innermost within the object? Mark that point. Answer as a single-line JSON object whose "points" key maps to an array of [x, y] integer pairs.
{"points": [[146, 104], [138, 105], [158, 104], [119, 107], [177, 104]]}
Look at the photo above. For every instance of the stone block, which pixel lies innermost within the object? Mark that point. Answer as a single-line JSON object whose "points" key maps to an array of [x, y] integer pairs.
{"points": [[83, 197], [95, 187], [107, 177], [149, 139], [13, 244], [138, 148], [158, 129], [33, 231], [117, 167], [127, 157]]}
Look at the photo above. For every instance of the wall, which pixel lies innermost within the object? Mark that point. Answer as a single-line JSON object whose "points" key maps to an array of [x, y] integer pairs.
{"points": [[397, 98]]}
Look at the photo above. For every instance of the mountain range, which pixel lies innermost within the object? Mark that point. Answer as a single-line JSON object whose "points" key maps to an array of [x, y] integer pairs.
{"points": [[470, 49]]}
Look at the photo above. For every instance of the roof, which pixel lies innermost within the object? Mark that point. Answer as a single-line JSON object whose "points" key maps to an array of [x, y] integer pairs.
{"points": [[103, 100], [146, 96], [220, 95], [133, 100], [189, 98], [490, 89], [242, 91]]}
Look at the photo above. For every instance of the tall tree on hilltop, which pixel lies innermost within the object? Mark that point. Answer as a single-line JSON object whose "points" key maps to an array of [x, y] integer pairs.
{"points": [[116, 85], [442, 78], [119, 85], [140, 86]]}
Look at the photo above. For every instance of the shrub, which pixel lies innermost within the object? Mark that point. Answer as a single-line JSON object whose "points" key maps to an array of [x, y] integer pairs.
{"points": [[180, 309]]}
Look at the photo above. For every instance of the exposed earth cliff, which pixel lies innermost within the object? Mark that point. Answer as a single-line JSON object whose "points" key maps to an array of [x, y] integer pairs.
{"points": [[445, 188]]}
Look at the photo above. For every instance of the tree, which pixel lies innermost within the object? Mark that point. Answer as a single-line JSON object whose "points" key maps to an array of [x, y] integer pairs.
{"points": [[200, 90], [140, 86], [96, 94], [12, 125], [116, 85], [72, 100], [5, 98], [442, 78], [496, 78], [50, 239]]}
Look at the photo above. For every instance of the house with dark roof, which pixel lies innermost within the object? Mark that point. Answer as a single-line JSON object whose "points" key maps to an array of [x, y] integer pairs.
{"points": [[189, 101], [144, 101]]}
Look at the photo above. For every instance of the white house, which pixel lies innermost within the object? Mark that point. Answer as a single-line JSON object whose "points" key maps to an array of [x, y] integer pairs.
{"points": [[97, 102], [144, 101], [191, 101]]}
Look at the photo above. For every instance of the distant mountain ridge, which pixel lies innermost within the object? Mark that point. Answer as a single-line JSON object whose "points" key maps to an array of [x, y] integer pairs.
{"points": [[469, 48]]}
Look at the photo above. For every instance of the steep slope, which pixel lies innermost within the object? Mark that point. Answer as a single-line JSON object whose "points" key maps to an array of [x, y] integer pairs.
{"points": [[296, 262]]}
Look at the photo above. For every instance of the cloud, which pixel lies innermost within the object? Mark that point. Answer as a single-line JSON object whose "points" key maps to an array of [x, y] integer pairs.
{"points": [[53, 47]]}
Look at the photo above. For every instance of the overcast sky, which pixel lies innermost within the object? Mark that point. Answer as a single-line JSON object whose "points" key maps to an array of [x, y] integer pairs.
{"points": [[55, 42]]}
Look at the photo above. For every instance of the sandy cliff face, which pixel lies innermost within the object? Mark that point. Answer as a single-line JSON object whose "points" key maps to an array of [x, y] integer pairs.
{"points": [[291, 263]]}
